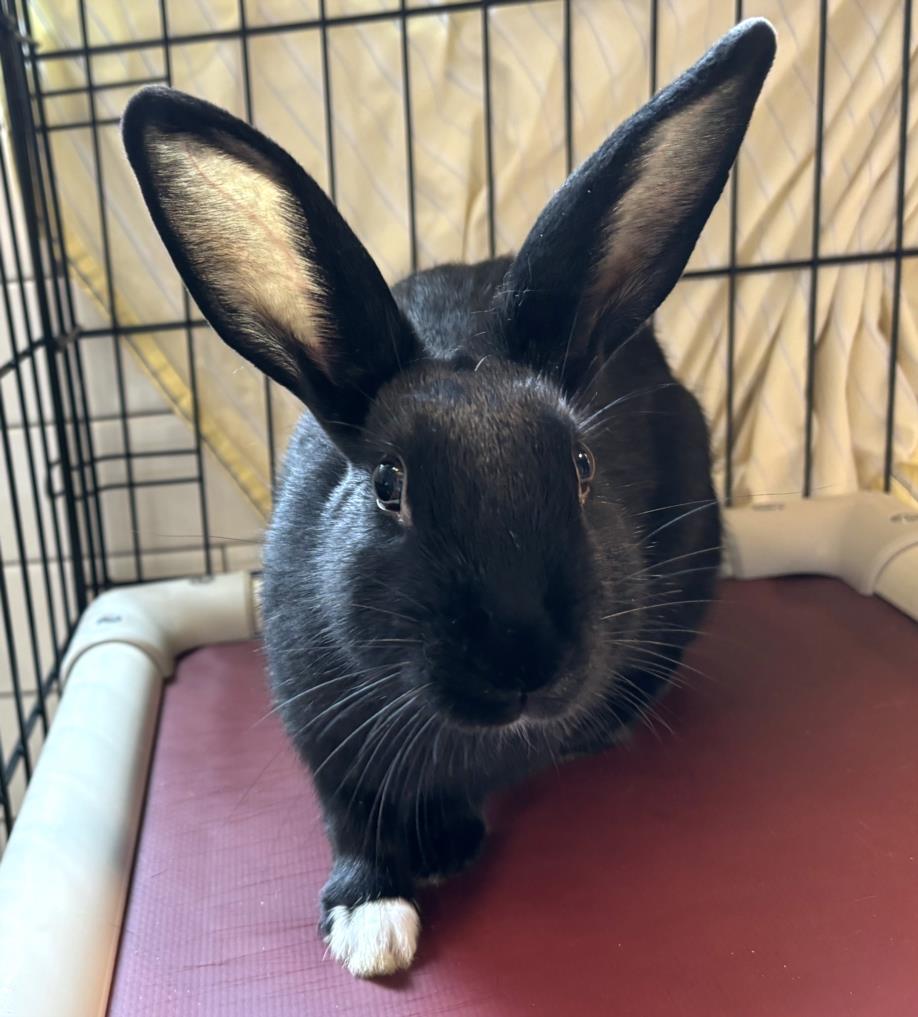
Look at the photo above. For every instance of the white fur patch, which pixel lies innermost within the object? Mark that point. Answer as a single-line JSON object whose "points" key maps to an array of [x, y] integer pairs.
{"points": [[376, 938]]}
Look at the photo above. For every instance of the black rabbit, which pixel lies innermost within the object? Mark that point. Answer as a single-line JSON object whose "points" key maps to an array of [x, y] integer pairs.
{"points": [[496, 530]]}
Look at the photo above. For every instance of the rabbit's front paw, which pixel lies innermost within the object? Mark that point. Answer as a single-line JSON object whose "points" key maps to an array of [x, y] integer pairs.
{"points": [[378, 937]]}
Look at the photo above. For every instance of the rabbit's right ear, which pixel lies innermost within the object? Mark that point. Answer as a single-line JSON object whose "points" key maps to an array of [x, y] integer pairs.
{"points": [[275, 269], [613, 241]]}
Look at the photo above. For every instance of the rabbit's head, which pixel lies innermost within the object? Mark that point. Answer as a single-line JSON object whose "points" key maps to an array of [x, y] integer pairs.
{"points": [[477, 537]]}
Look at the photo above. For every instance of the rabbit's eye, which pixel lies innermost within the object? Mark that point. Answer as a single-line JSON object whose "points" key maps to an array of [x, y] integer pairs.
{"points": [[586, 469], [389, 485]]}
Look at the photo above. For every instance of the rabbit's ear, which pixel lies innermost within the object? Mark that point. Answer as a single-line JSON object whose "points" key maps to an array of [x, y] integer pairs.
{"points": [[269, 260], [614, 239]]}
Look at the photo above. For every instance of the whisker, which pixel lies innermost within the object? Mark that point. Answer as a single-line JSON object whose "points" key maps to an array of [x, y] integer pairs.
{"points": [[683, 572], [643, 711], [383, 610], [675, 558], [338, 703], [677, 664], [376, 718], [377, 739], [655, 607], [402, 642], [680, 504], [586, 424], [322, 685], [390, 772], [679, 518]]}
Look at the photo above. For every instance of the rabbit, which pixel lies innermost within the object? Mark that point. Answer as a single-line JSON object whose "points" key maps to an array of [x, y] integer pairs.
{"points": [[496, 530]]}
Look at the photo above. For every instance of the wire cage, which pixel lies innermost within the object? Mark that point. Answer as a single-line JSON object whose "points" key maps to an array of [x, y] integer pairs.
{"points": [[136, 447], [53, 539], [92, 471]]}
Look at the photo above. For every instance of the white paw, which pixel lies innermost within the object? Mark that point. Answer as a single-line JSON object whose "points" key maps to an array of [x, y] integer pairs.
{"points": [[376, 938]]}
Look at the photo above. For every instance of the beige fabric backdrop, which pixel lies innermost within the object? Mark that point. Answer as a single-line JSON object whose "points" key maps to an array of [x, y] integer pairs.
{"points": [[610, 73]]}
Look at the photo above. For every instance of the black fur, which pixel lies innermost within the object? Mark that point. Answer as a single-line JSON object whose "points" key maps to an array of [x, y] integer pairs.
{"points": [[502, 579], [420, 667]]}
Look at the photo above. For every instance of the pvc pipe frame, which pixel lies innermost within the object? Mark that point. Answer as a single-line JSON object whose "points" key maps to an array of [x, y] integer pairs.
{"points": [[65, 874], [868, 540]]}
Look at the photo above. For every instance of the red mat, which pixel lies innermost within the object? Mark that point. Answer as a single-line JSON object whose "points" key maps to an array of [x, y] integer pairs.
{"points": [[762, 861]]}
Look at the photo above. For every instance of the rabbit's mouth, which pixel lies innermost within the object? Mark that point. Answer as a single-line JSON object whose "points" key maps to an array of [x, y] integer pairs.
{"points": [[486, 709], [495, 708]]}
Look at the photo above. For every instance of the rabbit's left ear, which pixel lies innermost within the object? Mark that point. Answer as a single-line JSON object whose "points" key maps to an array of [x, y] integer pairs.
{"points": [[613, 241], [269, 260]]}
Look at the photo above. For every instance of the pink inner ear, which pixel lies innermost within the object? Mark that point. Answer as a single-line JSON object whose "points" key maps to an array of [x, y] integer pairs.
{"points": [[679, 159], [242, 232]]}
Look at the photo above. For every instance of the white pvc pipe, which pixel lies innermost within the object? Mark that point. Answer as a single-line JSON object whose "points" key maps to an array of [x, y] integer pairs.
{"points": [[66, 870], [166, 619], [65, 873], [867, 539]]}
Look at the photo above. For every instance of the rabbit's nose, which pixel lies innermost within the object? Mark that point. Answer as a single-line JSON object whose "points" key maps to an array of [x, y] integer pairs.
{"points": [[523, 654]]}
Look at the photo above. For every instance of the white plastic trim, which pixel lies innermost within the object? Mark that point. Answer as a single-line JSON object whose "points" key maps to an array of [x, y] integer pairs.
{"points": [[166, 619], [867, 539], [65, 873]]}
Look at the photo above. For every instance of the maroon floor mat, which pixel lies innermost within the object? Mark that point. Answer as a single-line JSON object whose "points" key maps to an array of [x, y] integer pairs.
{"points": [[761, 861]]}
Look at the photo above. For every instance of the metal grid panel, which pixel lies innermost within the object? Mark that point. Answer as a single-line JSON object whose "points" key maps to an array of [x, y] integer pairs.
{"points": [[70, 493], [53, 553]]}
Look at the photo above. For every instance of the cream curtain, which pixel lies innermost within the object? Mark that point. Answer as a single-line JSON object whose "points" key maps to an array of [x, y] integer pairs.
{"points": [[610, 44]]}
